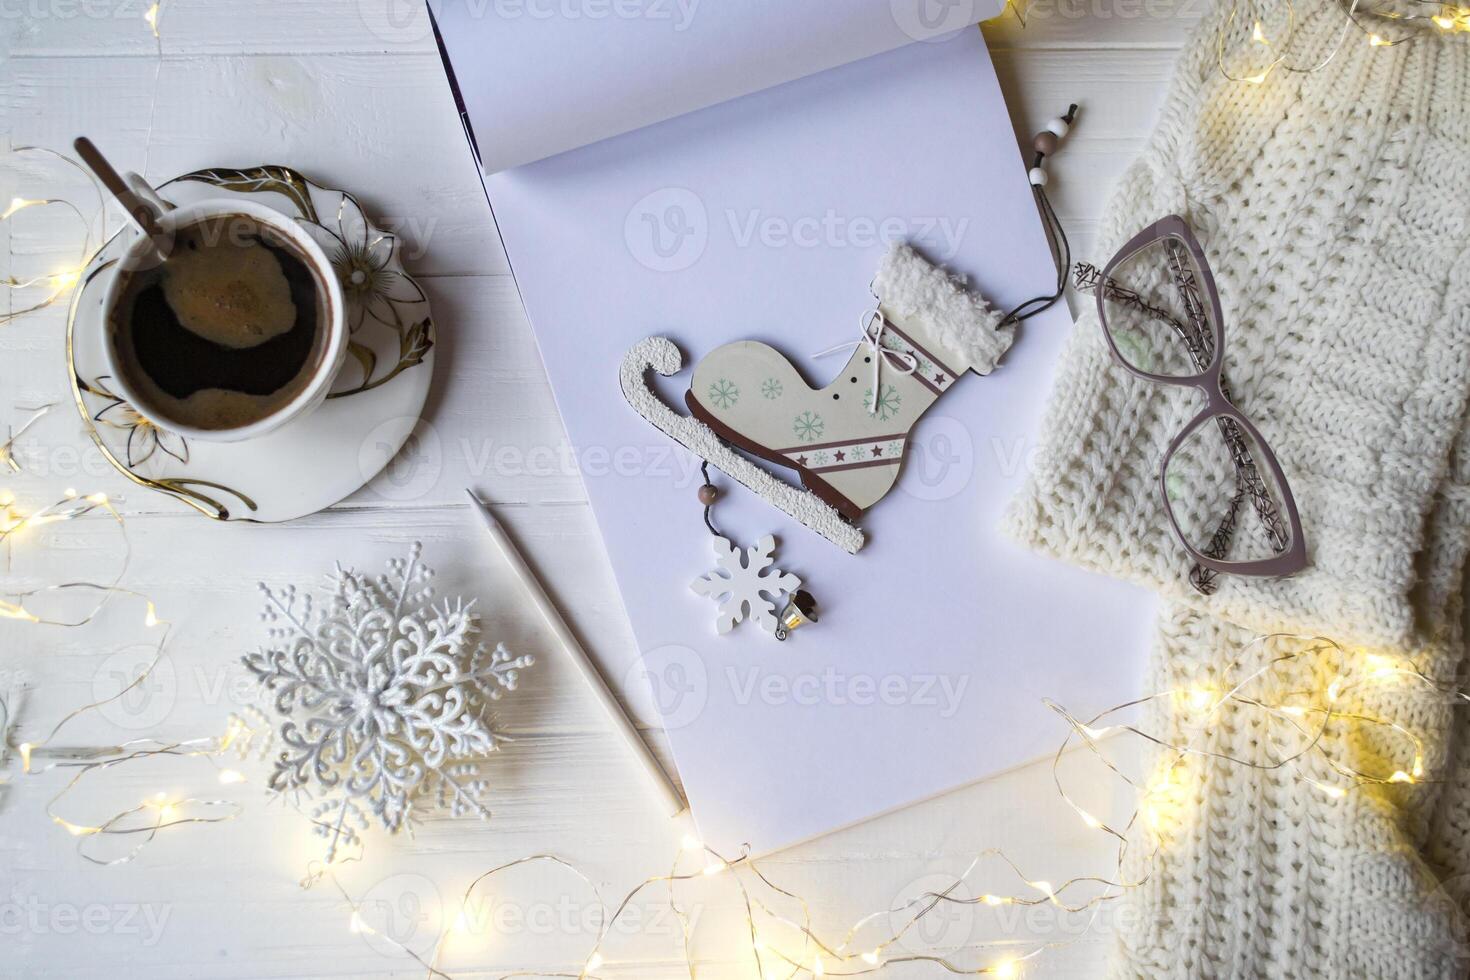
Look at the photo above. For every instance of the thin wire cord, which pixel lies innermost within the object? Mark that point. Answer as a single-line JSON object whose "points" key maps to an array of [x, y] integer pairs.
{"points": [[704, 468], [1056, 238]]}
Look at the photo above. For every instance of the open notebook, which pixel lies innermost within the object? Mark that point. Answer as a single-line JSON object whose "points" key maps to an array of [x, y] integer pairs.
{"points": [[716, 172]]}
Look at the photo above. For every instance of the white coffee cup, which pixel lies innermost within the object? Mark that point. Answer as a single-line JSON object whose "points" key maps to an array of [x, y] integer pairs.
{"points": [[142, 254]]}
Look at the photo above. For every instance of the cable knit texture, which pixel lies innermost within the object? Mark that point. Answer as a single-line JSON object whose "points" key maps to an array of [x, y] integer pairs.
{"points": [[1334, 212]]}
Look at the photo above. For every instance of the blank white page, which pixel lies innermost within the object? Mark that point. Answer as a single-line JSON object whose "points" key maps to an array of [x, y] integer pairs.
{"points": [[938, 641]]}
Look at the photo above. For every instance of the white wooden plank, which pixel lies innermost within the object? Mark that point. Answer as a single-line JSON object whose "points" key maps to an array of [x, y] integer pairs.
{"points": [[118, 28], [384, 129], [1087, 25]]}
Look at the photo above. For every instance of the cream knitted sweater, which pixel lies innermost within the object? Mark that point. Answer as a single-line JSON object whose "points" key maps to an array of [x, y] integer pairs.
{"points": [[1335, 211]]}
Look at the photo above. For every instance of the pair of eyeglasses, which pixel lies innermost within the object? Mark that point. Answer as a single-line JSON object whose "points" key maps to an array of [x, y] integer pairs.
{"points": [[1222, 486]]}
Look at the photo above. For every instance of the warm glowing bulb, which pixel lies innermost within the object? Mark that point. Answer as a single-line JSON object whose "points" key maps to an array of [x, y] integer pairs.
{"points": [[10, 611], [64, 280], [872, 958], [1400, 777], [356, 924], [18, 204], [70, 493], [1335, 792], [25, 756], [1044, 886], [1150, 816], [1418, 770], [593, 962], [1090, 820], [151, 16], [228, 776], [1334, 690], [995, 900], [1201, 698], [1444, 23], [692, 843], [1096, 733], [1258, 77], [1296, 711], [1376, 41], [715, 868], [1006, 969], [150, 618], [817, 969], [77, 830], [1258, 35]]}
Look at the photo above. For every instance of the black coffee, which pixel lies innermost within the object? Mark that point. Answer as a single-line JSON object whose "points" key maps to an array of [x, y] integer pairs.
{"points": [[227, 330]]}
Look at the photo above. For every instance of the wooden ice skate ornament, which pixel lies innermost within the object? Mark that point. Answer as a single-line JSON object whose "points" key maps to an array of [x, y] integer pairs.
{"points": [[846, 441]]}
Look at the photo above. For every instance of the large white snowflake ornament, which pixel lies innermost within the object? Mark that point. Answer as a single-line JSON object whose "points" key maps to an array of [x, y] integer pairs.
{"points": [[741, 584], [386, 697]]}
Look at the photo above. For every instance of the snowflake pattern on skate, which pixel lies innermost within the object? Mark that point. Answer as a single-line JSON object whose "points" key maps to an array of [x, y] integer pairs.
{"points": [[386, 698], [724, 393], [808, 427], [741, 584], [889, 401]]}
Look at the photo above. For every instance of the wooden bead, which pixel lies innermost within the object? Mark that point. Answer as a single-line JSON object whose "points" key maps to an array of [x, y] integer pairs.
{"points": [[708, 494], [1045, 143]]}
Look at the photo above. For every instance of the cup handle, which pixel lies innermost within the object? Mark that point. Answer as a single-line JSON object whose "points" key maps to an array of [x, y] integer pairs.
{"points": [[146, 193]]}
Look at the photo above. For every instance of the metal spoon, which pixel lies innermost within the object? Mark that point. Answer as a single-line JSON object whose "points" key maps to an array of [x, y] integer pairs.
{"points": [[143, 214]]}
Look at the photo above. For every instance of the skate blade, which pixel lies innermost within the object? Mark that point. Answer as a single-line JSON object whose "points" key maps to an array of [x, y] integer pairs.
{"points": [[803, 506], [826, 491]]}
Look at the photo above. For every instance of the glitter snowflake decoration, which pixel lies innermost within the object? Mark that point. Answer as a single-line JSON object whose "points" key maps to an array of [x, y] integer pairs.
{"points": [[741, 584], [386, 698]]}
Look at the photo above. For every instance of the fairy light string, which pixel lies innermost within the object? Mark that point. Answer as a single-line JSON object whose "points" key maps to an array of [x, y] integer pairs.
{"points": [[1318, 718], [144, 822], [1245, 37], [55, 285]]}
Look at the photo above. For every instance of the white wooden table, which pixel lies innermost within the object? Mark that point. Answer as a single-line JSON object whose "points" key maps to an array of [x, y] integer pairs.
{"points": [[351, 92]]}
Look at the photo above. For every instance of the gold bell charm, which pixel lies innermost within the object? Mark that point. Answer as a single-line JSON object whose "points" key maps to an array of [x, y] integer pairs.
{"points": [[799, 610]]}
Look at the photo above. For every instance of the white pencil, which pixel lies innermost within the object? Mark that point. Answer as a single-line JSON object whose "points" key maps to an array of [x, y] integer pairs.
{"points": [[655, 772]]}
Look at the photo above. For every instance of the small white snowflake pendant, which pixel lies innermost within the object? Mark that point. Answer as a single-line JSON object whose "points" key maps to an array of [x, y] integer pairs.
{"points": [[745, 584]]}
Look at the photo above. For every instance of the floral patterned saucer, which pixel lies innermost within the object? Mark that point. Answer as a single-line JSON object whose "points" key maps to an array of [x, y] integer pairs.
{"points": [[320, 458]]}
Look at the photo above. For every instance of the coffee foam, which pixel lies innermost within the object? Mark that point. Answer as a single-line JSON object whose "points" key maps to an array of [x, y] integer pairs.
{"points": [[233, 293]]}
